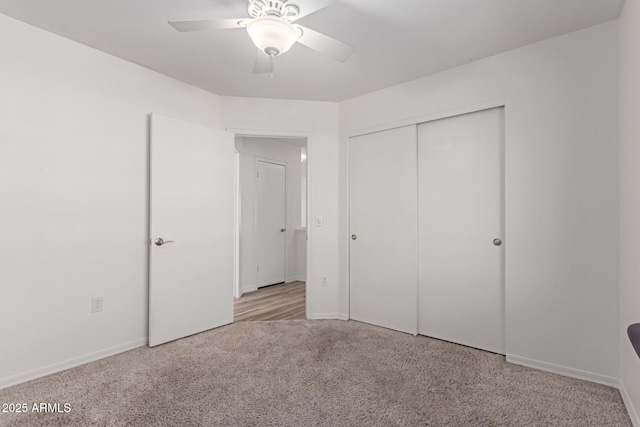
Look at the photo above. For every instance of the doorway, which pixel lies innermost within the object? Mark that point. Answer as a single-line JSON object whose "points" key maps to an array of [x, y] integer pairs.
{"points": [[271, 227]]}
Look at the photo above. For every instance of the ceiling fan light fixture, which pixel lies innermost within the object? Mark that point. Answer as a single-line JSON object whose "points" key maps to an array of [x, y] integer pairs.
{"points": [[272, 35]]}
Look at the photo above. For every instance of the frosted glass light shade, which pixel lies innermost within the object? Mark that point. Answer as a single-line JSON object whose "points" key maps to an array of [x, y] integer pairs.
{"points": [[272, 35]]}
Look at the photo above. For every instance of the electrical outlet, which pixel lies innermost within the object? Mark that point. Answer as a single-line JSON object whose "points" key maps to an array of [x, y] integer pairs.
{"points": [[96, 304], [323, 281]]}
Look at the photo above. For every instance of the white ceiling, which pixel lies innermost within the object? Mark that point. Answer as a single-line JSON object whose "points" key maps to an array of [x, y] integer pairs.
{"points": [[395, 40]]}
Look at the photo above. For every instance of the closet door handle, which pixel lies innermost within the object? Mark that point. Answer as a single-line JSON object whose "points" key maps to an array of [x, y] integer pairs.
{"points": [[354, 237], [497, 242]]}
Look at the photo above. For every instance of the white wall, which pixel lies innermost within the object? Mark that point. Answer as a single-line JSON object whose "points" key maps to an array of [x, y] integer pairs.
{"points": [[561, 189], [265, 148], [74, 198], [301, 254], [630, 201], [318, 121]]}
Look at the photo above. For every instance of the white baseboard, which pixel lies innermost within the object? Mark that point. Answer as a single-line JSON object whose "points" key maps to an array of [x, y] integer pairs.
{"points": [[564, 370], [247, 290], [300, 278], [324, 316], [71, 363], [631, 409], [343, 316]]}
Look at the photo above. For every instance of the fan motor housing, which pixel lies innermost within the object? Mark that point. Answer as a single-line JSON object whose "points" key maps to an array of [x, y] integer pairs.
{"points": [[284, 10]]}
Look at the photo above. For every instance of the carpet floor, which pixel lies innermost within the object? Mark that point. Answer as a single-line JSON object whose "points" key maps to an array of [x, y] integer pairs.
{"points": [[312, 373]]}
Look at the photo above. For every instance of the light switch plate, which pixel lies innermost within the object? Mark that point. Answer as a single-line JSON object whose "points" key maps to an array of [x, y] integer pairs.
{"points": [[318, 221]]}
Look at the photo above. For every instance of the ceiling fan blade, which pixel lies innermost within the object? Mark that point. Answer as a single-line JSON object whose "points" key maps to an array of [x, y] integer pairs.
{"points": [[310, 6], [263, 64], [325, 44], [216, 24]]}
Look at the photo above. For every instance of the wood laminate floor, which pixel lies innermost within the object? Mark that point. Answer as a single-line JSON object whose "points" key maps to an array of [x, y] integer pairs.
{"points": [[278, 302]]}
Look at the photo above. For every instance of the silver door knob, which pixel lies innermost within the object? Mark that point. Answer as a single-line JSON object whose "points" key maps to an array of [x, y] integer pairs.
{"points": [[282, 230], [354, 237], [160, 241], [497, 242]]}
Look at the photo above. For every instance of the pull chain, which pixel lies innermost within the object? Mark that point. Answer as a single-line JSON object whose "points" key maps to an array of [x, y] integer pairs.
{"points": [[272, 62]]}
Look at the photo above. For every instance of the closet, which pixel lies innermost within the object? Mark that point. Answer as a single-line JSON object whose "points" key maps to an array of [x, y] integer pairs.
{"points": [[427, 224]]}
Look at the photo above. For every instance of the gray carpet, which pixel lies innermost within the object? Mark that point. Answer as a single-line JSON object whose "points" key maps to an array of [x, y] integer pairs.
{"points": [[313, 373]]}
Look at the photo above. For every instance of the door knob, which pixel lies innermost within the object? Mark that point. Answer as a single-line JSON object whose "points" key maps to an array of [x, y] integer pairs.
{"points": [[354, 237], [160, 241], [282, 230], [497, 242]]}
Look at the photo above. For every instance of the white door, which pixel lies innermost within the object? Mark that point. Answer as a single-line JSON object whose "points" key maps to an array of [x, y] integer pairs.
{"points": [[191, 274], [461, 284], [383, 228], [271, 225]]}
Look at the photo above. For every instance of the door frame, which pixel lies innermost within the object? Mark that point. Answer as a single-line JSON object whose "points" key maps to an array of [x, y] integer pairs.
{"points": [[286, 212], [311, 138], [237, 223], [443, 114]]}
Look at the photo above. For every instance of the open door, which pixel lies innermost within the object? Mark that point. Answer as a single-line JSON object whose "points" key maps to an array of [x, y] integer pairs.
{"points": [[191, 229], [271, 222]]}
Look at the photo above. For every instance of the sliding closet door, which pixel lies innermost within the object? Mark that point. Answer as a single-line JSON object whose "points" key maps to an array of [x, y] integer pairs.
{"points": [[460, 193], [383, 228]]}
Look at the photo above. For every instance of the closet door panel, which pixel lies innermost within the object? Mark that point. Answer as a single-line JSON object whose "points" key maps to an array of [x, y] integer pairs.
{"points": [[383, 228], [460, 193]]}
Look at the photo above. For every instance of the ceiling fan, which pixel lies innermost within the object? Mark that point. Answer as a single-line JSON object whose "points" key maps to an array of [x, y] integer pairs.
{"points": [[271, 26]]}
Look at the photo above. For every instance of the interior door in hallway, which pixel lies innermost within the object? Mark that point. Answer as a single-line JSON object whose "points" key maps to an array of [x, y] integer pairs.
{"points": [[191, 228], [383, 228], [461, 268], [271, 222]]}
